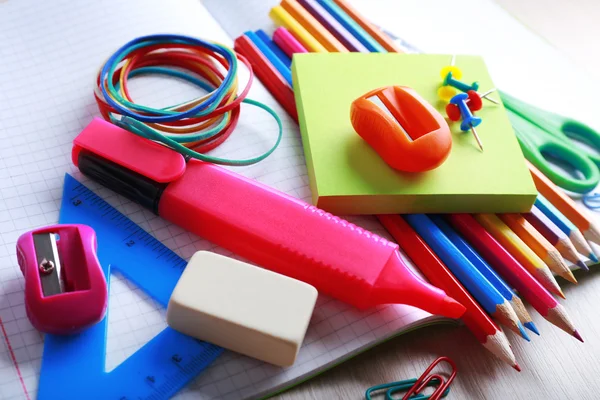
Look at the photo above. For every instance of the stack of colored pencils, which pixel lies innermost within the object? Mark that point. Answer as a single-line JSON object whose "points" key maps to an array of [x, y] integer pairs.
{"points": [[478, 259]]}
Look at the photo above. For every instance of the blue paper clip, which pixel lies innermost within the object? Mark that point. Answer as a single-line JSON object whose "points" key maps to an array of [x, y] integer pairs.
{"points": [[414, 387]]}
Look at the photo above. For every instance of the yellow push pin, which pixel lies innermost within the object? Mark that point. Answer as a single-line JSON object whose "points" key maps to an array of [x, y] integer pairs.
{"points": [[446, 92]]}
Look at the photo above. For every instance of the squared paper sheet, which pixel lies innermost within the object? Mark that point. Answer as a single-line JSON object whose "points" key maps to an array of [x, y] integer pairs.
{"points": [[49, 55]]}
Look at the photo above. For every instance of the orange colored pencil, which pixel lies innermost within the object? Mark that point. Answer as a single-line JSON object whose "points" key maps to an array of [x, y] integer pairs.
{"points": [[538, 243], [371, 29], [520, 251], [565, 205], [475, 318], [312, 25]]}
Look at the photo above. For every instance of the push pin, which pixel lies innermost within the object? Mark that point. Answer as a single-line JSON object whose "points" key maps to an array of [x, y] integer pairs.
{"points": [[458, 108], [474, 102], [451, 76]]}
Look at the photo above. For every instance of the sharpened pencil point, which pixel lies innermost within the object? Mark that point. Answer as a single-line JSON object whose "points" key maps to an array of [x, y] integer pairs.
{"points": [[523, 333], [561, 294], [517, 367], [578, 336], [581, 264], [531, 326], [568, 275], [593, 257]]}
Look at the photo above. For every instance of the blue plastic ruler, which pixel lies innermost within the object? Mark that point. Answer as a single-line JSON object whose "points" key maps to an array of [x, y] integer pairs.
{"points": [[73, 366]]}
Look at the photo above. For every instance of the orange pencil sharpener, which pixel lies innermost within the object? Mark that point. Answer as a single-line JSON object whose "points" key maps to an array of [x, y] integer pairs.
{"points": [[403, 128]]}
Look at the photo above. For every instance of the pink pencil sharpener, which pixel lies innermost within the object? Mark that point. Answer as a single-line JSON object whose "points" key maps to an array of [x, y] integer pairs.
{"points": [[65, 288]]}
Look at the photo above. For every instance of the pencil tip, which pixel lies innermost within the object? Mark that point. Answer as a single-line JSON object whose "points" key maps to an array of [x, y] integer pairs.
{"points": [[593, 257], [517, 367], [568, 275], [561, 294], [522, 331], [578, 336], [531, 326], [581, 264]]}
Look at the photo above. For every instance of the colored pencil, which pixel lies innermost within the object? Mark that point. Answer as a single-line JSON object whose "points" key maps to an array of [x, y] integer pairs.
{"points": [[475, 318], [351, 25], [282, 18], [520, 251], [480, 288], [374, 31], [514, 273], [284, 58], [268, 75], [487, 271], [565, 204], [273, 59], [313, 26], [333, 26], [287, 42], [538, 244], [554, 235], [566, 226]]}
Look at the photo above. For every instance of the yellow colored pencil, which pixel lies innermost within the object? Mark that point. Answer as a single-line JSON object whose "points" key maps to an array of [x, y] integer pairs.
{"points": [[313, 26], [538, 243], [282, 18], [519, 250]]}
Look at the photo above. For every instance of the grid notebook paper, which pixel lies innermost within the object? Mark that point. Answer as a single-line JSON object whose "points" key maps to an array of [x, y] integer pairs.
{"points": [[49, 55]]}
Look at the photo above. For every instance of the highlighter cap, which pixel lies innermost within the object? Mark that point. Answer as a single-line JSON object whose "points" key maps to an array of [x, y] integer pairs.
{"points": [[132, 166], [407, 132]]}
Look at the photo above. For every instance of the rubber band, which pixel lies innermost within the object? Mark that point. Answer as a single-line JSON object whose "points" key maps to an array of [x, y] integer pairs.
{"points": [[591, 201], [193, 127]]}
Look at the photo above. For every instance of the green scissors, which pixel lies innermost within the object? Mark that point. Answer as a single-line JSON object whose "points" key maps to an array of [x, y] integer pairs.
{"points": [[541, 132]]}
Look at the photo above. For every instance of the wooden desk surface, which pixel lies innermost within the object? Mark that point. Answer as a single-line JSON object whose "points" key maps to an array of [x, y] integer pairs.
{"points": [[555, 366]]}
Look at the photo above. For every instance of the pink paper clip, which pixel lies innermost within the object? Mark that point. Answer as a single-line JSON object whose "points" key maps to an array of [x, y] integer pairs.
{"points": [[425, 380], [288, 43]]}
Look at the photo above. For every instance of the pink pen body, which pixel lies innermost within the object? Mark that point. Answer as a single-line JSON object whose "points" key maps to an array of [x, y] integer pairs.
{"points": [[291, 237]]}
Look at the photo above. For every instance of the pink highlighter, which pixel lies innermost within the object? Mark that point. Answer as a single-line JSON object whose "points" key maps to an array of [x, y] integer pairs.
{"points": [[266, 226], [65, 288]]}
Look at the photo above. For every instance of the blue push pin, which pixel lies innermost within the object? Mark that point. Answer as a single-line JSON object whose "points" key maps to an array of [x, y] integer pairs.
{"points": [[469, 121]]}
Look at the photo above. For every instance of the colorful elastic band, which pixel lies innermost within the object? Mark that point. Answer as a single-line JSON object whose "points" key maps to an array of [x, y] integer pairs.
{"points": [[194, 127]]}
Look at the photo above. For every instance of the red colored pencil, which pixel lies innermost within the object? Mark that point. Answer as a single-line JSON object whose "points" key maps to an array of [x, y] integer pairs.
{"points": [[268, 75], [475, 318], [513, 272]]}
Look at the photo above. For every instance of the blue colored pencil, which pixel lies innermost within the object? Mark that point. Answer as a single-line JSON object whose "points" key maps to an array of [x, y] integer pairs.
{"points": [[480, 288], [262, 35], [566, 226], [352, 26], [486, 270], [276, 62]]}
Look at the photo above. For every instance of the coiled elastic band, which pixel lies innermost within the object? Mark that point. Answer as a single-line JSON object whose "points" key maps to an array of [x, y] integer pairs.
{"points": [[191, 128]]}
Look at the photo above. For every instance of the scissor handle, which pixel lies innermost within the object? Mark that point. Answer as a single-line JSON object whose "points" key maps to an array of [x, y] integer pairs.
{"points": [[557, 125], [536, 141], [583, 133]]}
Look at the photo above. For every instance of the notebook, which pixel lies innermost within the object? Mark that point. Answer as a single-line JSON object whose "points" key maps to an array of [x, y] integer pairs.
{"points": [[50, 54], [347, 176]]}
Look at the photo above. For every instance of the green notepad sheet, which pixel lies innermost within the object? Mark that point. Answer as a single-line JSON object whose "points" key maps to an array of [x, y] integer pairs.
{"points": [[348, 177]]}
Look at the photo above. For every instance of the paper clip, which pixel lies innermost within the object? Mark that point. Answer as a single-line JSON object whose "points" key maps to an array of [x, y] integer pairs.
{"points": [[416, 386]]}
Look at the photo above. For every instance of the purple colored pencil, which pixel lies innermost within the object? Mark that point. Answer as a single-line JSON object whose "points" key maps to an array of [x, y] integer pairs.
{"points": [[333, 26], [554, 235]]}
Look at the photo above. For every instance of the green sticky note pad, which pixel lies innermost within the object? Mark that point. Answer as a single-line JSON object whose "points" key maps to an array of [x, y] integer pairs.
{"points": [[348, 177]]}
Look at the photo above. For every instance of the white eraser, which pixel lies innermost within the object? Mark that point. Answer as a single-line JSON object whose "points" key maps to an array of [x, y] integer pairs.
{"points": [[241, 307]]}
